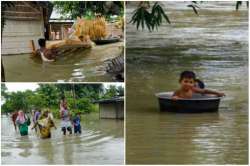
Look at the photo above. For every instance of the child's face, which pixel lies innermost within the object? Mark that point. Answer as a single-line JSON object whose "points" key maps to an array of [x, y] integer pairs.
{"points": [[187, 83]]}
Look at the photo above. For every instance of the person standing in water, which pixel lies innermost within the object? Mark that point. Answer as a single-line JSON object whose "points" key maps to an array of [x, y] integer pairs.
{"points": [[77, 123], [45, 123], [13, 118], [36, 116], [22, 121], [63, 103], [66, 120]]}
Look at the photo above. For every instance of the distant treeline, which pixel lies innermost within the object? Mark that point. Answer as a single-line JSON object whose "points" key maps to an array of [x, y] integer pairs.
{"points": [[79, 97]]}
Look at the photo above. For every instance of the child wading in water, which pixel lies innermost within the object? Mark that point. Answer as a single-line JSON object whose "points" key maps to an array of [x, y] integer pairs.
{"points": [[187, 82], [77, 123]]}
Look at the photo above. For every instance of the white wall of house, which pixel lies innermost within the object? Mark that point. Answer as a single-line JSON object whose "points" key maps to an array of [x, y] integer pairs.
{"points": [[107, 110], [111, 110], [17, 35]]}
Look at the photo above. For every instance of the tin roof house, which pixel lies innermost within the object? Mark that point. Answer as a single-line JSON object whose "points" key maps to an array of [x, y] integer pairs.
{"points": [[111, 108]]}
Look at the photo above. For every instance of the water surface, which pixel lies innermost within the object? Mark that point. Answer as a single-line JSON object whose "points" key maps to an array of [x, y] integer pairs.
{"points": [[80, 66], [215, 46], [101, 142]]}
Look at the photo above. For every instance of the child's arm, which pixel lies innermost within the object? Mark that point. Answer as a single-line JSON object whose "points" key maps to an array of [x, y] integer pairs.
{"points": [[207, 91], [176, 95]]}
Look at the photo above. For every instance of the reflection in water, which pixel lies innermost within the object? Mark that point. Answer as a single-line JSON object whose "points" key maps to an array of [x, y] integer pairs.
{"points": [[214, 45], [101, 142], [86, 65]]}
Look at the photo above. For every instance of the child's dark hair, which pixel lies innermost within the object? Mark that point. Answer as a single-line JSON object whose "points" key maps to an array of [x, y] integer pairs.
{"points": [[42, 42], [187, 74]]}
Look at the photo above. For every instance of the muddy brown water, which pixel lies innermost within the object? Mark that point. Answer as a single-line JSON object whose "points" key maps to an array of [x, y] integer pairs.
{"points": [[101, 142], [215, 46], [80, 66]]}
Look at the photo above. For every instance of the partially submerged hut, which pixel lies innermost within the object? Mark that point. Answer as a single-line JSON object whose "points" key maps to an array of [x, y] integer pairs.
{"points": [[25, 21], [111, 108]]}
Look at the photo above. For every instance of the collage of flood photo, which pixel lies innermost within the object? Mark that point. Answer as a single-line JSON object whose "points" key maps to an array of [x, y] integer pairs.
{"points": [[124, 82]]}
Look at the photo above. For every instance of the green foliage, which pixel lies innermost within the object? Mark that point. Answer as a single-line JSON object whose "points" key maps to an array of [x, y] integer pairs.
{"points": [[49, 93], [79, 97], [4, 92], [83, 105], [153, 19], [113, 91], [88, 8], [15, 101]]}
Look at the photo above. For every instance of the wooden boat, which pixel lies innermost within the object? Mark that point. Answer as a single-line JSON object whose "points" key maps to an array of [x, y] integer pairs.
{"points": [[107, 40], [197, 104]]}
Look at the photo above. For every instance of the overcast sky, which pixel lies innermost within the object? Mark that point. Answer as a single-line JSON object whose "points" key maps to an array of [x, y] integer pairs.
{"points": [[14, 87]]}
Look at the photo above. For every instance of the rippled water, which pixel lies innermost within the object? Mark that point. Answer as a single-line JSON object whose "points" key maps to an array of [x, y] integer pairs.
{"points": [[215, 46], [101, 142], [87, 65]]}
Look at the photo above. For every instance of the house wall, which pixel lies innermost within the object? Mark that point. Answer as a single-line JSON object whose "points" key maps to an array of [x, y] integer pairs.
{"points": [[24, 22], [107, 110], [17, 35], [120, 110], [111, 110]]}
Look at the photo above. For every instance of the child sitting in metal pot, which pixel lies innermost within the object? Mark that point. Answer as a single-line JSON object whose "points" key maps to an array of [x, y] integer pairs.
{"points": [[187, 81]]}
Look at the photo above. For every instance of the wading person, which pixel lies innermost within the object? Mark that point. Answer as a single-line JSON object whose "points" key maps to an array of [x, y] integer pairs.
{"points": [[45, 123], [77, 123], [13, 118], [48, 55], [22, 121], [63, 103], [36, 115], [65, 121]]}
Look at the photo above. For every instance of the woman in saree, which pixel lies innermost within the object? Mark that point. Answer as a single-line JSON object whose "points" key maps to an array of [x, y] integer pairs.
{"points": [[22, 121], [45, 123]]}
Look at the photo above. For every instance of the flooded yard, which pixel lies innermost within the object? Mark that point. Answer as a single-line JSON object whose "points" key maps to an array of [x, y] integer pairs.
{"points": [[101, 142], [80, 66], [215, 46]]}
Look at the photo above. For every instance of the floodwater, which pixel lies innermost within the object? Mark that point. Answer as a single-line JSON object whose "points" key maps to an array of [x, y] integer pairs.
{"points": [[80, 66], [101, 142], [215, 46]]}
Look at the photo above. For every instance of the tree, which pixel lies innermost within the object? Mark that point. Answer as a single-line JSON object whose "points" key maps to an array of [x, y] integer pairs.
{"points": [[49, 93], [153, 15], [4, 92], [120, 90], [83, 8]]}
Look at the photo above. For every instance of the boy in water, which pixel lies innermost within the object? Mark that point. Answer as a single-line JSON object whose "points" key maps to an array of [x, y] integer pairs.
{"points": [[49, 54], [187, 81], [77, 123]]}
